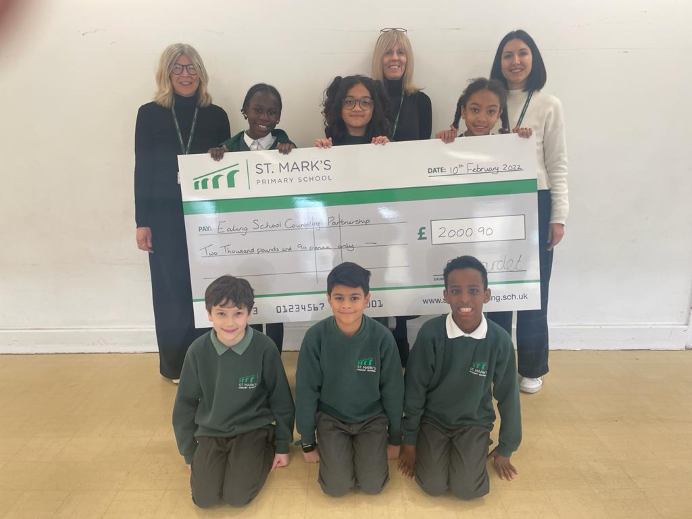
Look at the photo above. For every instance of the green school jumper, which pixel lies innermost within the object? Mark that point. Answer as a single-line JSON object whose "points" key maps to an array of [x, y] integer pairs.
{"points": [[225, 391], [452, 382], [348, 378]]}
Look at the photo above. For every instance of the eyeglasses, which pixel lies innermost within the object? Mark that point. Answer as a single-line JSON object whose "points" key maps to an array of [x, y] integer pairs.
{"points": [[178, 69], [397, 29], [350, 103]]}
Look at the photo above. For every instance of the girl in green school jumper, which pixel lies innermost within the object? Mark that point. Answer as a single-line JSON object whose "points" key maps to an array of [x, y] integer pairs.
{"points": [[262, 110]]}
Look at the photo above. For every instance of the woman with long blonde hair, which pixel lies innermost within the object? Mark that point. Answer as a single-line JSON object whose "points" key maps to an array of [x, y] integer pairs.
{"points": [[393, 64], [410, 118], [180, 120]]}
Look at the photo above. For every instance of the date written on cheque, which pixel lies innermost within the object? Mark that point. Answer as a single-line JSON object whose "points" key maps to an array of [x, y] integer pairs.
{"points": [[471, 168]]}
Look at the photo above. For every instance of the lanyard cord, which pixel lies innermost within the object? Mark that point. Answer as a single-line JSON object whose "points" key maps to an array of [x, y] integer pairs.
{"points": [[396, 121], [183, 149], [523, 111]]}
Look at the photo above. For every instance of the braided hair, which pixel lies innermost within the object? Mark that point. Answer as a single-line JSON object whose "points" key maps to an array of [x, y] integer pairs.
{"points": [[476, 85]]}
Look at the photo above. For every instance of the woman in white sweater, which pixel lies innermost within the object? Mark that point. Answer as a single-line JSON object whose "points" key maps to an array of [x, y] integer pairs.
{"points": [[519, 65]]}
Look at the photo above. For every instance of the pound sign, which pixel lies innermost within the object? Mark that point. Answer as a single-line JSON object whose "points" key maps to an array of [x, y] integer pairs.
{"points": [[421, 234]]}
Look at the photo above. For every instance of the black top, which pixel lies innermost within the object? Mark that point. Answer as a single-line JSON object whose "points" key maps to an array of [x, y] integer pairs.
{"points": [[347, 140], [415, 116], [157, 147]]}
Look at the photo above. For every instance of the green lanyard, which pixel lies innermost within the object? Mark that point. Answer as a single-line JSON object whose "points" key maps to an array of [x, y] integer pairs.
{"points": [[523, 112], [183, 149], [396, 122]]}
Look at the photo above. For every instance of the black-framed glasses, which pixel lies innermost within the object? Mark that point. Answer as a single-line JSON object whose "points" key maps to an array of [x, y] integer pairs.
{"points": [[397, 29], [178, 69], [365, 103]]}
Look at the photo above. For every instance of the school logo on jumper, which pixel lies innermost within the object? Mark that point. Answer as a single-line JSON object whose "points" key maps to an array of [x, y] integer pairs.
{"points": [[479, 368], [248, 382], [366, 365], [202, 182]]}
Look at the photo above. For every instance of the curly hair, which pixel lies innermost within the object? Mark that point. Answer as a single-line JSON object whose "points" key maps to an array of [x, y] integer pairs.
{"points": [[334, 95], [465, 262]]}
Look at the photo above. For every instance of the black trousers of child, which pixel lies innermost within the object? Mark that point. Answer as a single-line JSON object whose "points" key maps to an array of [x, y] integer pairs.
{"points": [[400, 333], [453, 460], [352, 454], [275, 331], [231, 470], [532, 325]]}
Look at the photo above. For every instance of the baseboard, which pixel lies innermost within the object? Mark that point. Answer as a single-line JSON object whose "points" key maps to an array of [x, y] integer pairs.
{"points": [[619, 337], [143, 339], [571, 337], [79, 340]]}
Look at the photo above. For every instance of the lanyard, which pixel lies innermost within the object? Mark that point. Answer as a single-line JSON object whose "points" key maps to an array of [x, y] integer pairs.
{"points": [[523, 111], [180, 135], [396, 122]]}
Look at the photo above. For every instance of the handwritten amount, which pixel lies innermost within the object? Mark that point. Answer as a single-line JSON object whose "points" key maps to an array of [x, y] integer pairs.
{"points": [[229, 250]]}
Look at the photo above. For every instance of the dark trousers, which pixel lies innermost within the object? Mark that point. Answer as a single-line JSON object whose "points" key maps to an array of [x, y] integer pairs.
{"points": [[400, 333], [352, 454], [275, 331], [532, 325], [231, 470], [453, 460], [170, 287]]}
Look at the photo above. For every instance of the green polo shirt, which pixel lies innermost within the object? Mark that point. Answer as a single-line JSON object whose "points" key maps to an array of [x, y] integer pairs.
{"points": [[239, 348]]}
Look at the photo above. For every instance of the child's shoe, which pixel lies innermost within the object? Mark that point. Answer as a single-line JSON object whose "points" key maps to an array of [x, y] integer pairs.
{"points": [[530, 385]]}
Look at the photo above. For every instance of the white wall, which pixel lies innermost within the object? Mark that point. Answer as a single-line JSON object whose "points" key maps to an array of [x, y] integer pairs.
{"points": [[73, 73]]}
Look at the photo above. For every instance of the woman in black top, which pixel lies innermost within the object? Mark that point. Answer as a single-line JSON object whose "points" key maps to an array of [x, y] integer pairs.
{"points": [[180, 120], [411, 110], [410, 118]]}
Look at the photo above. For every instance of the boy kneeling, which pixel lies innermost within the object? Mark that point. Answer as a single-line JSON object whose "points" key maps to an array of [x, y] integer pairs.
{"points": [[458, 362], [349, 387], [232, 388]]}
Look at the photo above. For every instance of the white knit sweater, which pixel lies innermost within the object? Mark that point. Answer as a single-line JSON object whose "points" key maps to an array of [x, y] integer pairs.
{"points": [[544, 116]]}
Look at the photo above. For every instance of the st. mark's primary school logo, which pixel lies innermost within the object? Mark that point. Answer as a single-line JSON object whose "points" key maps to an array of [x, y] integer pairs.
{"points": [[228, 173], [247, 382], [479, 369], [366, 365]]}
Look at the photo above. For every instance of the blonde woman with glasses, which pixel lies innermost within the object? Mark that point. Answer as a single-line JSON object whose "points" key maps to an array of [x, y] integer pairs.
{"points": [[410, 118], [180, 120]]}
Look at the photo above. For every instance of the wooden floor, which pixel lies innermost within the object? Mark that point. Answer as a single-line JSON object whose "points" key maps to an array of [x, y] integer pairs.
{"points": [[89, 436]]}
